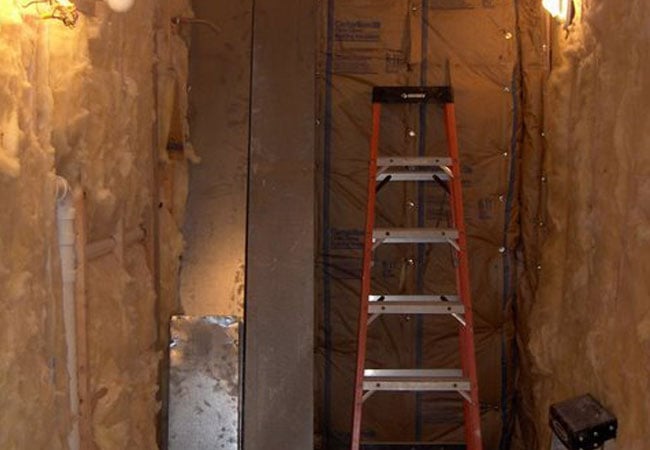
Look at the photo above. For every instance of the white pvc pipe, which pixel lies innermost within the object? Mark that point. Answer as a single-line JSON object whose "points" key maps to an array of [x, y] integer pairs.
{"points": [[65, 216]]}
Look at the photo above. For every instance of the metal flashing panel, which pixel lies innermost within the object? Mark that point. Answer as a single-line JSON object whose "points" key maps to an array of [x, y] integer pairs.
{"points": [[204, 387]]}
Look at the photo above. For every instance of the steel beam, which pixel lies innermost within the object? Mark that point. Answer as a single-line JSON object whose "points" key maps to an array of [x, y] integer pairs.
{"points": [[279, 304]]}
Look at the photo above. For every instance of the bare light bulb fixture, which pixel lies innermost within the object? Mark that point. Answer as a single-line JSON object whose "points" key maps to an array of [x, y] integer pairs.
{"points": [[563, 10], [120, 5], [556, 8]]}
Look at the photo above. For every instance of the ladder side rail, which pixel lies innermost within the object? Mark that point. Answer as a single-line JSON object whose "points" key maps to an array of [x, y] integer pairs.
{"points": [[366, 278], [466, 334]]}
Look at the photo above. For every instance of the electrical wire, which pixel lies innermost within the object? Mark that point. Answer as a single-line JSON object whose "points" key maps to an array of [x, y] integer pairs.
{"points": [[66, 13], [191, 21]]}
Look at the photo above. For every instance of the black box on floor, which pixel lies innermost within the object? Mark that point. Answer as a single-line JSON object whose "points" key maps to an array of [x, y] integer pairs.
{"points": [[582, 423]]}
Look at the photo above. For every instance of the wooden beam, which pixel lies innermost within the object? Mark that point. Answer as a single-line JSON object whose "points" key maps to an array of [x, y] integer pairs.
{"points": [[81, 320]]}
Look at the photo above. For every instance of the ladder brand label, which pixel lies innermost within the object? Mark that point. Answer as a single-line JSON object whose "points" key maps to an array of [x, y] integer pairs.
{"points": [[417, 95]]}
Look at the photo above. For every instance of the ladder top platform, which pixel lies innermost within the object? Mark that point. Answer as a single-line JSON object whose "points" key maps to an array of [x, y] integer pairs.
{"points": [[412, 94]]}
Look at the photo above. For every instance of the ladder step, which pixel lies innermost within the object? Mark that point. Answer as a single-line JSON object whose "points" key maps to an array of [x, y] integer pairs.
{"points": [[413, 235], [414, 380], [416, 307], [412, 161], [413, 298], [412, 175], [410, 446]]}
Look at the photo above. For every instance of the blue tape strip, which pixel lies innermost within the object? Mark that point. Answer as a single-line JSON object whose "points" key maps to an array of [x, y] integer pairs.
{"points": [[508, 287], [327, 166], [506, 431]]}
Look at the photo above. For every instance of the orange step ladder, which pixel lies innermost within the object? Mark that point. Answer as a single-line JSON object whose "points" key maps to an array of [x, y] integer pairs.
{"points": [[444, 171]]}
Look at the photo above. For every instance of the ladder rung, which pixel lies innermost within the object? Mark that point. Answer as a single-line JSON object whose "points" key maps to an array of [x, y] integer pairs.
{"points": [[413, 298], [413, 161], [414, 380], [416, 308], [411, 446], [419, 307], [431, 373], [413, 235], [412, 175]]}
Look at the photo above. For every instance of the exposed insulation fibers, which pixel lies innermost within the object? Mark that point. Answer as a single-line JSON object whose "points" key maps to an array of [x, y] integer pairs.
{"points": [[172, 88], [81, 102], [33, 380], [9, 164], [123, 360], [534, 62], [589, 325], [9, 12], [105, 99]]}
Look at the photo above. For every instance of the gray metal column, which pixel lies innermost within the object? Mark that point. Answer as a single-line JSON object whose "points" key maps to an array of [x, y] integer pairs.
{"points": [[279, 321]]}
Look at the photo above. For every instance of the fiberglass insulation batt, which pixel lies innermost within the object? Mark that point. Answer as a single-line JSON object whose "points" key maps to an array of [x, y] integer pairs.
{"points": [[81, 103], [589, 326]]}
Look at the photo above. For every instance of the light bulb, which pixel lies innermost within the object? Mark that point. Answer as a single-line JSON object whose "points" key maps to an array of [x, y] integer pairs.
{"points": [[556, 8], [120, 5]]}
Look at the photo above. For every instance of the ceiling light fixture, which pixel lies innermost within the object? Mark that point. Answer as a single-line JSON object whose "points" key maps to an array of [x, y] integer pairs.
{"points": [[120, 5], [563, 10]]}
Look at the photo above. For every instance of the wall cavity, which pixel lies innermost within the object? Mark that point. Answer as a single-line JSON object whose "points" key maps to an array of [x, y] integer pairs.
{"points": [[84, 103], [215, 228], [589, 327]]}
